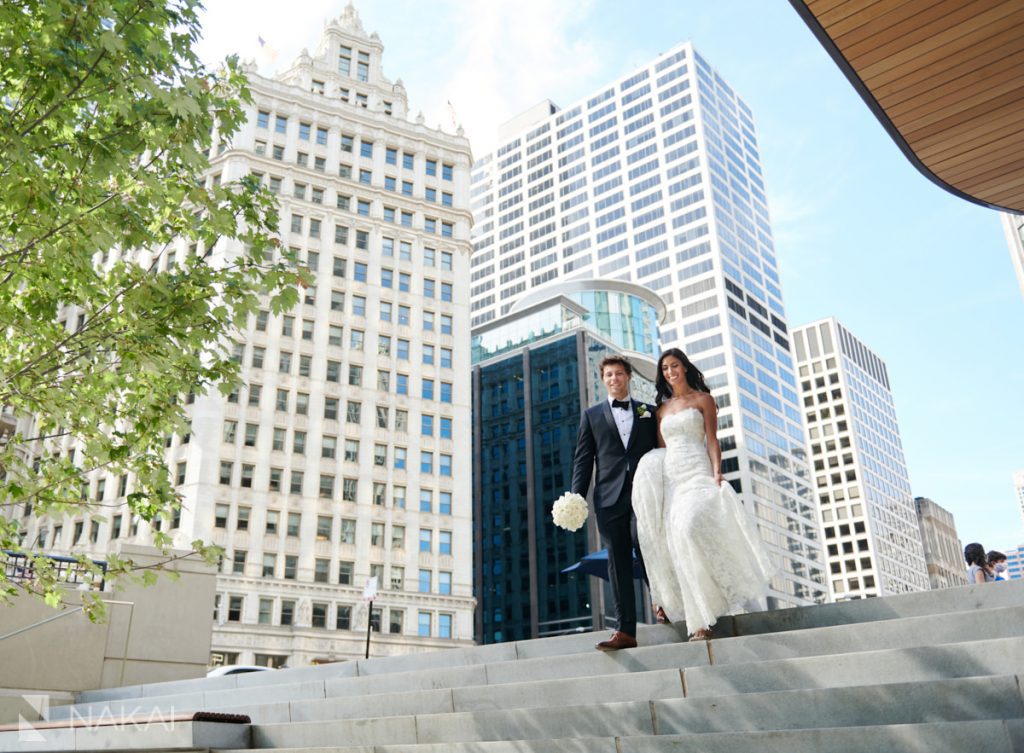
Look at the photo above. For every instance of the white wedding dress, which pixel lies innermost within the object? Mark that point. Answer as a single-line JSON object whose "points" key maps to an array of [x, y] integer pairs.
{"points": [[703, 554]]}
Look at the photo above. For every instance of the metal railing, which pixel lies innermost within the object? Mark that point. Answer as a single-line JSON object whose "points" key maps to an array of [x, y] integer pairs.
{"points": [[18, 566]]}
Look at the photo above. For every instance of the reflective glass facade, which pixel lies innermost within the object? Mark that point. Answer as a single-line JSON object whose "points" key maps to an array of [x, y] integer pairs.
{"points": [[526, 413]]}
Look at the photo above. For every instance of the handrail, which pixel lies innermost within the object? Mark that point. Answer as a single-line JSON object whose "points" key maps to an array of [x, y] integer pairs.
{"points": [[25, 629]]}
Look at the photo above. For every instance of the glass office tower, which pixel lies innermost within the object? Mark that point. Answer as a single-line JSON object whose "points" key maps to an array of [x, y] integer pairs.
{"points": [[656, 179], [534, 371]]}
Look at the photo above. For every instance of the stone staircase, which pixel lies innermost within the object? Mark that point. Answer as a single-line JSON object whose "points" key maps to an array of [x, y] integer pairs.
{"points": [[936, 671]]}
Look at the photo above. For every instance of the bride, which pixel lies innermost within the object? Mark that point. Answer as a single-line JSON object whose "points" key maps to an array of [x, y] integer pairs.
{"points": [[703, 553]]}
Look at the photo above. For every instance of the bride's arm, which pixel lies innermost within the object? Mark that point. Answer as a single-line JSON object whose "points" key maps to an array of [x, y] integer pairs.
{"points": [[710, 411], [657, 417]]}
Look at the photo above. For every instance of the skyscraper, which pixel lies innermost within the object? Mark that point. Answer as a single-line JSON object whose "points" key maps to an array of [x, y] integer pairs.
{"points": [[870, 521], [342, 456], [942, 551], [534, 371], [656, 179]]}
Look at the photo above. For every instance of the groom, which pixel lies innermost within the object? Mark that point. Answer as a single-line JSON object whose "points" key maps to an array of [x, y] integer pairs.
{"points": [[614, 435]]}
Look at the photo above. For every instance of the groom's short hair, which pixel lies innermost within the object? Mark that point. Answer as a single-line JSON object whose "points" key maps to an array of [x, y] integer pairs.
{"points": [[617, 361]]}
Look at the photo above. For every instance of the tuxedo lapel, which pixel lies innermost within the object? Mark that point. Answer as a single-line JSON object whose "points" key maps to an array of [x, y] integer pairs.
{"points": [[606, 409]]}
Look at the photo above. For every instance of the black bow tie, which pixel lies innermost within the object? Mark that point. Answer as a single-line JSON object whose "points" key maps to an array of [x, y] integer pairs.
{"points": [[624, 404]]}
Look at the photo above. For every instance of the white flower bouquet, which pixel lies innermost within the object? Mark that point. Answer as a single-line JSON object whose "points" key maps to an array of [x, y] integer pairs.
{"points": [[569, 511]]}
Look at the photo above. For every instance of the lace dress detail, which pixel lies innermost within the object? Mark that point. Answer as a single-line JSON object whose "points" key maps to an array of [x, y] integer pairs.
{"points": [[703, 553]]}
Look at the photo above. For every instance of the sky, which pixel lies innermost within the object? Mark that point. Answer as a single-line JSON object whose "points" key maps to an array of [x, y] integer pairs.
{"points": [[922, 277]]}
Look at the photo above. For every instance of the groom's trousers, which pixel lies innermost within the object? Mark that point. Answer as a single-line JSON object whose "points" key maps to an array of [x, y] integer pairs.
{"points": [[617, 526]]}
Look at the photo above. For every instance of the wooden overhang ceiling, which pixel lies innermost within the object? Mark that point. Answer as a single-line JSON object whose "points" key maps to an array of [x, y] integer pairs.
{"points": [[946, 80]]}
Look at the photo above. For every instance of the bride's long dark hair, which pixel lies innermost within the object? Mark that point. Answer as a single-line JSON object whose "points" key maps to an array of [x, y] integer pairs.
{"points": [[694, 377]]}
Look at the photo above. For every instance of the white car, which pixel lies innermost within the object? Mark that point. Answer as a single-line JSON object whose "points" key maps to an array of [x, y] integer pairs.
{"points": [[236, 669]]}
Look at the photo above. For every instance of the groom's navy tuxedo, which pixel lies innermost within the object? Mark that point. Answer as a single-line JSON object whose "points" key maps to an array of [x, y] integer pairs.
{"points": [[600, 445]]}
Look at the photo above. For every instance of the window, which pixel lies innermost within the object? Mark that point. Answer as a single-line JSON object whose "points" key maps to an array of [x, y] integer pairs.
{"points": [[426, 500], [446, 427], [446, 291], [269, 565], [305, 366], [446, 172], [427, 425], [235, 609], [356, 338], [404, 251], [296, 223], [291, 566], [323, 527], [255, 392], [287, 611], [354, 412], [343, 616], [238, 562], [385, 311], [304, 131], [402, 384], [391, 156], [266, 611], [428, 321], [407, 160], [382, 417], [444, 626], [348, 531], [446, 392], [262, 119], [355, 375], [302, 402], [365, 177], [326, 486], [389, 185], [444, 582], [281, 403], [299, 442], [380, 455], [358, 305], [445, 465], [349, 489], [328, 446], [351, 450], [319, 615], [428, 288], [400, 458], [446, 199], [294, 523], [321, 572], [446, 261], [230, 430], [401, 421], [423, 625], [424, 582], [346, 143], [431, 167], [446, 358], [397, 538], [321, 133], [331, 408], [280, 124], [363, 208], [395, 616], [427, 392], [242, 524], [376, 534], [274, 480], [426, 540], [273, 516], [444, 542], [426, 461], [403, 350], [295, 485], [446, 324], [445, 503], [226, 470], [404, 315], [398, 499], [337, 301]]}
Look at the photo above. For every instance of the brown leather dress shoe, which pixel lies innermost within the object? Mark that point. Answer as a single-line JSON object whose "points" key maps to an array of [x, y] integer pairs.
{"points": [[618, 641]]}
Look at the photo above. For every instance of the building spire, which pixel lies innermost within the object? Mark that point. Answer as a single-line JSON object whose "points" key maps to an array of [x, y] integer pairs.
{"points": [[349, 19]]}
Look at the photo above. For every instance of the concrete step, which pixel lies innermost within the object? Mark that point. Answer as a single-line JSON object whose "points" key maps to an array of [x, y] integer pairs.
{"points": [[139, 734], [276, 703], [945, 602], [967, 699]]}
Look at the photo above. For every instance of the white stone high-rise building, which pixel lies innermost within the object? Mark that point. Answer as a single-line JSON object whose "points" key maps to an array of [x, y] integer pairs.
{"points": [[656, 179], [870, 520], [1013, 225], [943, 553], [345, 454]]}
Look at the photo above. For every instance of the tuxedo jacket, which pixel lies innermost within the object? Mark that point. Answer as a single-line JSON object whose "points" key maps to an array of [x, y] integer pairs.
{"points": [[600, 446]]}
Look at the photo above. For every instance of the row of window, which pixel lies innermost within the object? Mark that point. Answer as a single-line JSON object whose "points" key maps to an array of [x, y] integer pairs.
{"points": [[321, 137], [349, 486], [283, 612]]}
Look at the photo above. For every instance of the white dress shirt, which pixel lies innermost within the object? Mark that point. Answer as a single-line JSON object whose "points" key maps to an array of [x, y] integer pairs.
{"points": [[623, 419]]}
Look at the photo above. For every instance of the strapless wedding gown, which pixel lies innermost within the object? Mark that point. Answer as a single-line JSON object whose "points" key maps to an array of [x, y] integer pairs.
{"points": [[703, 553]]}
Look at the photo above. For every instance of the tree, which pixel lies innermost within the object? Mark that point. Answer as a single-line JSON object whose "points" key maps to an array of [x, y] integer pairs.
{"points": [[106, 120]]}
